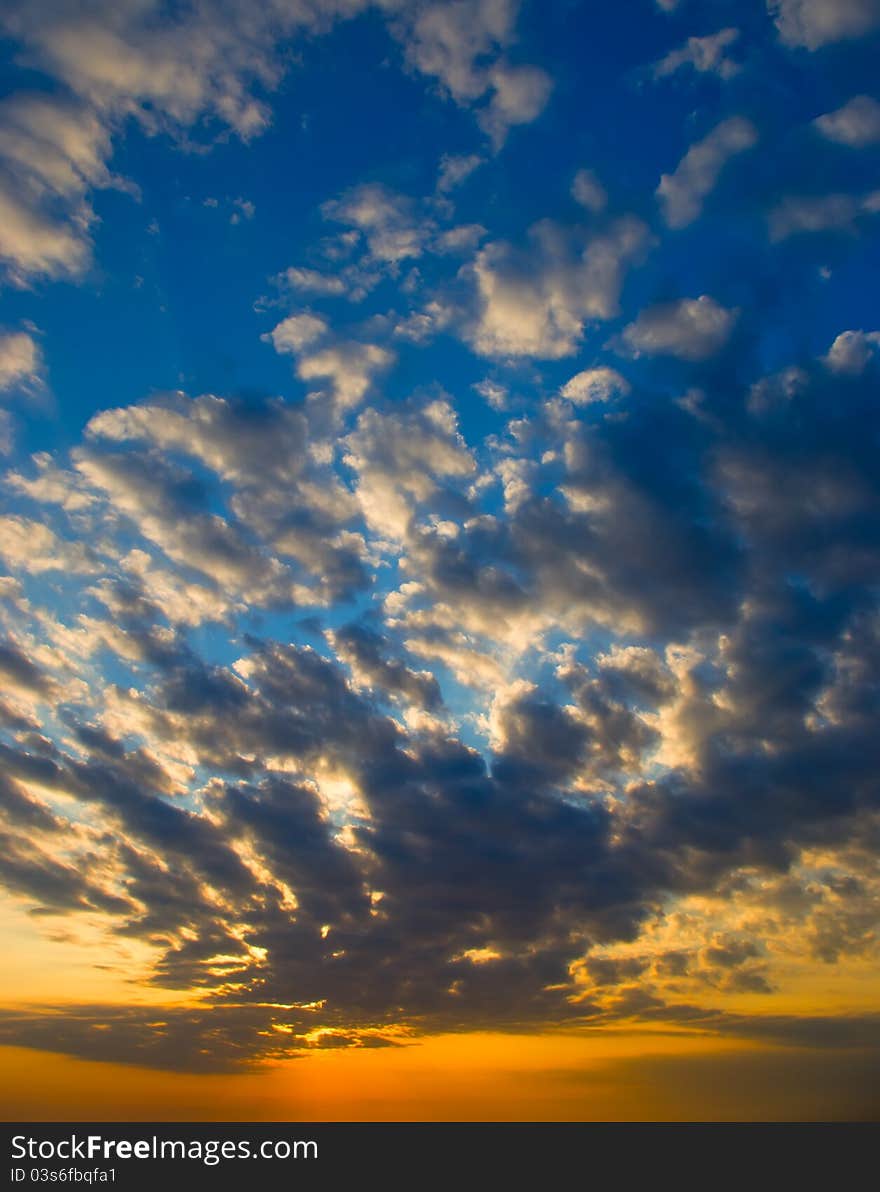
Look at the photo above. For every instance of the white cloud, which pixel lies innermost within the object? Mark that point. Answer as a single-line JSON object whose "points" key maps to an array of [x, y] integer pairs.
{"points": [[519, 95], [53, 154], [447, 40], [159, 499], [535, 302], [856, 124], [704, 54], [311, 281], [852, 351], [455, 169], [595, 384], [797, 214], [459, 43], [682, 193], [350, 367], [463, 238], [32, 547], [399, 458], [244, 209], [21, 362], [815, 23], [691, 329], [296, 333], [393, 229], [7, 433], [587, 190], [495, 395], [173, 67]]}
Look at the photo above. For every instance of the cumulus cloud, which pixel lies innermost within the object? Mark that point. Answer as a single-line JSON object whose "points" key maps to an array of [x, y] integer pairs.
{"points": [[454, 169], [349, 366], [856, 124], [311, 281], [33, 547], [460, 43], [800, 214], [535, 301], [707, 55], [212, 61], [52, 155], [587, 190], [852, 351], [21, 362], [519, 95], [400, 461], [815, 23], [682, 192], [691, 329], [389, 221], [595, 384], [447, 40]]}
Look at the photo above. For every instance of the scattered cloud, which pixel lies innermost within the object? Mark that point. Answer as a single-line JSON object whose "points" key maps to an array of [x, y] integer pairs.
{"points": [[455, 169], [800, 214], [595, 384], [691, 329], [856, 124], [852, 351], [535, 300], [706, 55], [682, 193], [812, 24], [21, 362], [587, 190]]}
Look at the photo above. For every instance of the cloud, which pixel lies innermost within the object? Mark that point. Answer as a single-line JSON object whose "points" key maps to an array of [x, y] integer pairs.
{"points": [[454, 169], [21, 362], [856, 124], [534, 301], [211, 62], [263, 450], [297, 332], [33, 547], [460, 43], [365, 651], [52, 154], [447, 40], [815, 23], [519, 96], [365, 862], [595, 384], [799, 214], [310, 281], [389, 221], [852, 351], [704, 54], [370, 711], [682, 192], [691, 329], [349, 366], [587, 190], [400, 461]]}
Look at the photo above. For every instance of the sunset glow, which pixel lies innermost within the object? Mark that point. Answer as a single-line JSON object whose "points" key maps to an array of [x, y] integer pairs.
{"points": [[439, 556]]}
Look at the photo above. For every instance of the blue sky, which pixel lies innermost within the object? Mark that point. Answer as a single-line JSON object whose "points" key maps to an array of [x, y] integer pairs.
{"points": [[440, 509]]}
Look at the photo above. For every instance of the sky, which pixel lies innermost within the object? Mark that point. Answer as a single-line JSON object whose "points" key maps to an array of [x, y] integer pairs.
{"points": [[439, 557]]}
